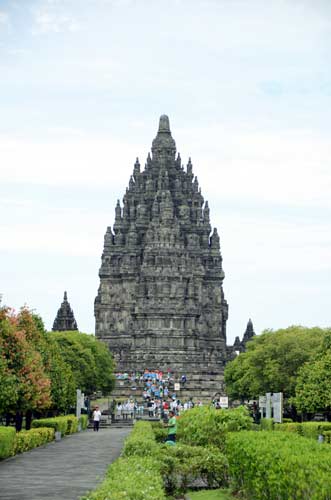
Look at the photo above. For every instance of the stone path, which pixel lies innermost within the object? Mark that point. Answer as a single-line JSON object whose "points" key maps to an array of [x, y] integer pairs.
{"points": [[65, 470]]}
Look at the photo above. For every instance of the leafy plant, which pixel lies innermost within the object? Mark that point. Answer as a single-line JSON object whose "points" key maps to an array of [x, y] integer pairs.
{"points": [[203, 426], [7, 441], [279, 466]]}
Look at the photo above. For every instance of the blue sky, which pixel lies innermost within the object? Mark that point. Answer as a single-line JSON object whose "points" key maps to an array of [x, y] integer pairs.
{"points": [[247, 86]]}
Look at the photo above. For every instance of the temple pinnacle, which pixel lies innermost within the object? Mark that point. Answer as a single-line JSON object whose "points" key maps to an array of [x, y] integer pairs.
{"points": [[164, 124]]}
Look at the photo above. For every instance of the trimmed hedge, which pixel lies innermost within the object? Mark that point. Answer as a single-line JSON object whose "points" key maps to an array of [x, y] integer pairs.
{"points": [[307, 429], [327, 436], [146, 469], [279, 466], [204, 426], [26, 440], [267, 424], [182, 464], [130, 478], [7, 441], [65, 424], [83, 419], [72, 424]]}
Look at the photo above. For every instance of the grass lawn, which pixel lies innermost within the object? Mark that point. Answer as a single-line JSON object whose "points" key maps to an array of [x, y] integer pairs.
{"points": [[219, 494]]}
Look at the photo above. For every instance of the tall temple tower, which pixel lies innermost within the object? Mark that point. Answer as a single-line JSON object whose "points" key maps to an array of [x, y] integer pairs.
{"points": [[65, 319], [160, 304]]}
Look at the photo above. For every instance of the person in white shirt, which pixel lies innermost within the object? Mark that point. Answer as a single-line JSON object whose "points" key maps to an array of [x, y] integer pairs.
{"points": [[96, 418]]}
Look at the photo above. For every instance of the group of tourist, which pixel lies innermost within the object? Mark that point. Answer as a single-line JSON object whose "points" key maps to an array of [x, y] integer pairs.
{"points": [[155, 408]]}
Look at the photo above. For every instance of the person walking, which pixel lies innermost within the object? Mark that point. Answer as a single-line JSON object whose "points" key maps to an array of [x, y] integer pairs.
{"points": [[96, 419]]}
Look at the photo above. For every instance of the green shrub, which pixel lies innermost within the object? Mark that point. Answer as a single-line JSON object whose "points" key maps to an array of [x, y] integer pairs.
{"points": [[287, 420], [72, 424], [141, 441], [203, 426], [131, 478], [279, 466], [267, 424], [83, 419], [294, 427], [59, 424], [26, 440], [307, 429], [183, 464], [327, 436], [7, 441], [313, 429], [160, 432]]}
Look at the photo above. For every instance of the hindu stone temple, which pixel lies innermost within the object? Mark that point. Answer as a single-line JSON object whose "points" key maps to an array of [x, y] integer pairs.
{"points": [[240, 345], [65, 319], [160, 303]]}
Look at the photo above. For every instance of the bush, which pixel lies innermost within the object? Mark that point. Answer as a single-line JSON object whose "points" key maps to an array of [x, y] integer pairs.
{"points": [[141, 441], [7, 441], [279, 466], [313, 429], [267, 424], [83, 419], [26, 440], [160, 432], [294, 427], [59, 424], [307, 429], [203, 426], [72, 424], [181, 465], [327, 436], [131, 478]]}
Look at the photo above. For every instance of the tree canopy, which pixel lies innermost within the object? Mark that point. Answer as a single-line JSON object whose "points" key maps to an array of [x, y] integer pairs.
{"points": [[41, 370], [313, 388], [272, 361], [26, 383], [89, 359]]}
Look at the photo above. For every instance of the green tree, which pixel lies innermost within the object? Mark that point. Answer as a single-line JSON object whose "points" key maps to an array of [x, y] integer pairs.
{"points": [[21, 367], [63, 388], [313, 388], [89, 359], [272, 361]]}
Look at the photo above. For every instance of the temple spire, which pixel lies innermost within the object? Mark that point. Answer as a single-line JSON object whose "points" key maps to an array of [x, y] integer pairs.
{"points": [[164, 146], [65, 319]]}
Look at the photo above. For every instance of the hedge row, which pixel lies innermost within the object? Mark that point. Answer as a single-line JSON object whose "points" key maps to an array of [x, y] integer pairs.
{"points": [[42, 432], [130, 478], [136, 475], [307, 429], [279, 466], [148, 470], [7, 441], [204, 426], [27, 440], [12, 442], [66, 424], [83, 420]]}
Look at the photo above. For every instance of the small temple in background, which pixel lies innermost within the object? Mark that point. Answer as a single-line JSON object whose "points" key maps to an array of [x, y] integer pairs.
{"points": [[65, 319], [240, 345]]}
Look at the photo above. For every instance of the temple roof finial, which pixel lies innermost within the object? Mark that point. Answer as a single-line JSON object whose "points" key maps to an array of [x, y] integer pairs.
{"points": [[163, 145], [164, 124], [65, 298]]}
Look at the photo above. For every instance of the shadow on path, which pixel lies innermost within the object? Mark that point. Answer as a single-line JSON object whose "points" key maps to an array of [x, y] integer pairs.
{"points": [[61, 471]]}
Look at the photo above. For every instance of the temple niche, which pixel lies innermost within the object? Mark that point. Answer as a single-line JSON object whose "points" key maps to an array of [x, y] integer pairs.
{"points": [[65, 319], [160, 303]]}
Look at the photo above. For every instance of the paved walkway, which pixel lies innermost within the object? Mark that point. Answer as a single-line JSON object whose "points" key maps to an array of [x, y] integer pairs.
{"points": [[65, 470]]}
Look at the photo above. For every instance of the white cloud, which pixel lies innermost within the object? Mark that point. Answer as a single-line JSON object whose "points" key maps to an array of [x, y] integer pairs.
{"points": [[54, 17]]}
